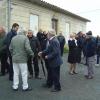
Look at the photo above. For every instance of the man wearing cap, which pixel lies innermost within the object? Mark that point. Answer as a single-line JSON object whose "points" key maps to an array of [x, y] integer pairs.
{"points": [[90, 50]]}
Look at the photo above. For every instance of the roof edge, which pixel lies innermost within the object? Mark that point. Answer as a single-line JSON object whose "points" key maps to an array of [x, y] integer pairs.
{"points": [[58, 9]]}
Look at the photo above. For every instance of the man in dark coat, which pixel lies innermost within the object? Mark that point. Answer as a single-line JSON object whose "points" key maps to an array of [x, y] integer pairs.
{"points": [[53, 55], [80, 41], [3, 53], [42, 37], [90, 51], [61, 40], [44, 44], [35, 46], [8, 39]]}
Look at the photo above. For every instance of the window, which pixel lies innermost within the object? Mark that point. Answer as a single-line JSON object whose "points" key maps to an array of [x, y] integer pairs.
{"points": [[54, 24], [34, 23], [67, 28]]}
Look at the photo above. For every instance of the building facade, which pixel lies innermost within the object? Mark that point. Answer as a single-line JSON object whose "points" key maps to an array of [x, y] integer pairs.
{"points": [[37, 14]]}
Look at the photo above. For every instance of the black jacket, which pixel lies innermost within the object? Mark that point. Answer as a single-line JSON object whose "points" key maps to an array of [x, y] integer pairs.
{"points": [[35, 45], [42, 39], [61, 40]]}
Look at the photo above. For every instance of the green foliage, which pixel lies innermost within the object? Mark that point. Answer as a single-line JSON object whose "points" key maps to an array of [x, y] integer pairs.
{"points": [[66, 49]]}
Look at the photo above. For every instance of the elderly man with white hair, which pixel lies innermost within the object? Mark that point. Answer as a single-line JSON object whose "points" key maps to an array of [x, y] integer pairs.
{"points": [[20, 49], [53, 55], [35, 46]]}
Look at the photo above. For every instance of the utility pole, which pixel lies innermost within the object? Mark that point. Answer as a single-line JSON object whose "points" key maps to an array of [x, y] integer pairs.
{"points": [[9, 14]]}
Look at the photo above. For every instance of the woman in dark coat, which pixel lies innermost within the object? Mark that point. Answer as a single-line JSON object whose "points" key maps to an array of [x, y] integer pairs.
{"points": [[72, 56]]}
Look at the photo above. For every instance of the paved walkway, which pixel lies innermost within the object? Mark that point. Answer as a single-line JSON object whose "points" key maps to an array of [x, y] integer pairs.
{"points": [[73, 87]]}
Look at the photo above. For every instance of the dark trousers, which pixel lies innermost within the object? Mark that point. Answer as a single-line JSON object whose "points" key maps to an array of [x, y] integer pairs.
{"points": [[10, 66], [79, 53], [53, 76], [98, 58], [36, 67], [56, 77], [49, 81], [62, 50], [4, 64]]}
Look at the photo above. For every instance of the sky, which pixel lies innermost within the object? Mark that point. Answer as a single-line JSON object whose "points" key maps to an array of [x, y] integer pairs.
{"points": [[89, 9]]}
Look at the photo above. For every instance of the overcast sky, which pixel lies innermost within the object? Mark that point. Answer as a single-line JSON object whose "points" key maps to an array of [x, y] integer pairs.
{"points": [[87, 8]]}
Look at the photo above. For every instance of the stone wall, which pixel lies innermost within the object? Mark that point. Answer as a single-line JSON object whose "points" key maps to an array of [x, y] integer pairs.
{"points": [[3, 13], [21, 11]]}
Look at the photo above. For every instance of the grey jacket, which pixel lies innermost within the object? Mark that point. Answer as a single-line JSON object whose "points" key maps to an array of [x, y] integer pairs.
{"points": [[20, 48]]}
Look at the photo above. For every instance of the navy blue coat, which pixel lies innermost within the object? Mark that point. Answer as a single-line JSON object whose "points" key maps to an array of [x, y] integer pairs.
{"points": [[9, 37], [90, 48], [53, 52]]}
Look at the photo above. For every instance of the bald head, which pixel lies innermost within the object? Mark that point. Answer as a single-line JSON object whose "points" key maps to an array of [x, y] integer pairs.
{"points": [[2, 30]]}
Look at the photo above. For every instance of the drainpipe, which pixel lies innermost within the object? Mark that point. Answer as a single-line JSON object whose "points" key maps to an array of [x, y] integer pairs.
{"points": [[9, 13]]}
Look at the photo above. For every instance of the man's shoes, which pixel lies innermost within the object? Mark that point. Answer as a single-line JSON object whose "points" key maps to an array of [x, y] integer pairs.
{"points": [[55, 90], [15, 89], [75, 72], [90, 77], [97, 65], [28, 89]]}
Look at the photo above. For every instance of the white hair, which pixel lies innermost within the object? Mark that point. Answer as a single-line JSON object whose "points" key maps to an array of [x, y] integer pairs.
{"points": [[52, 32], [31, 31], [22, 31]]}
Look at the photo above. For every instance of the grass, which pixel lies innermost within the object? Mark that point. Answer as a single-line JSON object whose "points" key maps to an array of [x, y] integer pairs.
{"points": [[66, 49]]}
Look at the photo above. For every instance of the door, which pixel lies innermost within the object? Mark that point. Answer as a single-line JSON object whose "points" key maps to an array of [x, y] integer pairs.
{"points": [[54, 24]]}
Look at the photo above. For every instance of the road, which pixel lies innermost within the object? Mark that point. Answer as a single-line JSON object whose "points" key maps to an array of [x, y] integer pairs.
{"points": [[74, 87]]}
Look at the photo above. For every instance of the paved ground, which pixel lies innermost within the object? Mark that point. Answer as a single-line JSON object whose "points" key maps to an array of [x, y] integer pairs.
{"points": [[73, 87]]}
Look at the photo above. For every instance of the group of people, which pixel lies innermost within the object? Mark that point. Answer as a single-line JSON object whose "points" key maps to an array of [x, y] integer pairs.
{"points": [[87, 45], [20, 50]]}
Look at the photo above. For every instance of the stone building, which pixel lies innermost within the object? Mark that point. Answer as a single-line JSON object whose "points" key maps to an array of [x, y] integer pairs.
{"points": [[38, 14]]}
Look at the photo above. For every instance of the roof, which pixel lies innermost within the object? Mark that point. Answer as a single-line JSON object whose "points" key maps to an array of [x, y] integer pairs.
{"points": [[58, 9]]}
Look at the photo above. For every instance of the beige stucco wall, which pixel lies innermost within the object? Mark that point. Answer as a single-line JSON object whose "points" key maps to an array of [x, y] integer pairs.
{"points": [[21, 11], [3, 14]]}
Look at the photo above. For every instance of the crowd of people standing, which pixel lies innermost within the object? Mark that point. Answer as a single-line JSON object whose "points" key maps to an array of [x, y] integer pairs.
{"points": [[20, 50], [87, 45]]}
